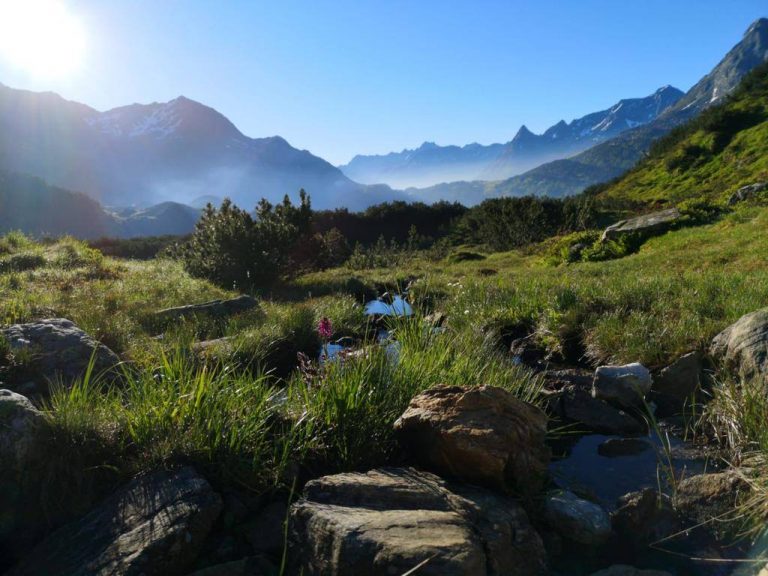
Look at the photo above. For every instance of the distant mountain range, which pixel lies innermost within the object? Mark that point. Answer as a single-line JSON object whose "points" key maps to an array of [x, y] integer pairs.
{"points": [[30, 204], [147, 153], [613, 157], [431, 164]]}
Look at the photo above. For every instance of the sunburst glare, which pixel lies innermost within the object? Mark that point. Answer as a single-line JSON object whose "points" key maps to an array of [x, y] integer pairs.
{"points": [[41, 37]]}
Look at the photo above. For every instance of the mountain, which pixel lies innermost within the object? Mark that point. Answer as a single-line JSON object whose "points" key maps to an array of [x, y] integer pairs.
{"points": [[29, 204], [709, 157], [148, 153], [614, 157], [430, 164], [423, 166]]}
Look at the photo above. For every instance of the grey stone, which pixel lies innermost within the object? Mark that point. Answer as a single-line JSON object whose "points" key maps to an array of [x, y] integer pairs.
{"points": [[743, 346], [389, 521], [747, 192], [645, 224], [153, 526], [60, 350], [576, 519], [625, 385]]}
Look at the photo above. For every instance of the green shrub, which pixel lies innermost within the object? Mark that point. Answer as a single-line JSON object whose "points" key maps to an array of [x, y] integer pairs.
{"points": [[465, 256], [21, 262]]}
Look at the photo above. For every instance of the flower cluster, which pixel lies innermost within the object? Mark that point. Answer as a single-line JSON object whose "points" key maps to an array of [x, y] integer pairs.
{"points": [[325, 329]]}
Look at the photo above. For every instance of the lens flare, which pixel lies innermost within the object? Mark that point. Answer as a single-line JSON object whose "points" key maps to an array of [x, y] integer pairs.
{"points": [[41, 37]]}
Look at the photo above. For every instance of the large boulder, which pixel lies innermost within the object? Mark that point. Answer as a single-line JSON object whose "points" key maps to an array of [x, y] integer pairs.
{"points": [[574, 404], [483, 435], [646, 224], [389, 521], [214, 309], [576, 519], [625, 385], [676, 384], [743, 346], [153, 526], [706, 496], [19, 424], [60, 351]]}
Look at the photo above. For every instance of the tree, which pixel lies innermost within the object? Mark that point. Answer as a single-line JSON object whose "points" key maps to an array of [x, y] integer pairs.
{"points": [[234, 249]]}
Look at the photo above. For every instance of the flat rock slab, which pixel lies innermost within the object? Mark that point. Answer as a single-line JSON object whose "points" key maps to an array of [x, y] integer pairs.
{"points": [[743, 346], [389, 521], [646, 224], [60, 350], [153, 526], [706, 496], [483, 435], [625, 386]]}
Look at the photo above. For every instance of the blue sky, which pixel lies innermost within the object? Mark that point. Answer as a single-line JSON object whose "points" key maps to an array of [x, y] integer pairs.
{"points": [[364, 76]]}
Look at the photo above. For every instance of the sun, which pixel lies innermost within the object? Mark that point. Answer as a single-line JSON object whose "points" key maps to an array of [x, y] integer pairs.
{"points": [[41, 37]]}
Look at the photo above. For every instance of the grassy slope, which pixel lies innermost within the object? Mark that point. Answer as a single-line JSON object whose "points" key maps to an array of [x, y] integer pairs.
{"points": [[694, 163]]}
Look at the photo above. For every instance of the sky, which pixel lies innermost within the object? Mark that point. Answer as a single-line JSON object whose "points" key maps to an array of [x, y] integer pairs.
{"points": [[347, 77]]}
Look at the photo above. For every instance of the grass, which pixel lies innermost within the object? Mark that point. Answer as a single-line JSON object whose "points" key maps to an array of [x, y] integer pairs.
{"points": [[249, 418]]}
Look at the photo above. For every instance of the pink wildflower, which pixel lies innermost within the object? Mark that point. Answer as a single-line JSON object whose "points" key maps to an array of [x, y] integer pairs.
{"points": [[325, 329]]}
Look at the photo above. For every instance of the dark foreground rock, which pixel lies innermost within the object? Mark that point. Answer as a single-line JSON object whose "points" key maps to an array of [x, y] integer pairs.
{"points": [[60, 350], [646, 224], [483, 435], [743, 346], [676, 384], [214, 309], [153, 526], [251, 566], [389, 521], [644, 517], [19, 423], [577, 405]]}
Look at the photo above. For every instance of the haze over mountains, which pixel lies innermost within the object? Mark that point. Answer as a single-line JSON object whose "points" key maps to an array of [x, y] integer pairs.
{"points": [[432, 164], [147, 153], [166, 160]]}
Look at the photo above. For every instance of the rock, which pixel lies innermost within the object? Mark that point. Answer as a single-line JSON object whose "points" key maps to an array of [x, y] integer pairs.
{"points": [[266, 532], [747, 192], [19, 422], [577, 405], [644, 517], [526, 351], [576, 519], [575, 250], [645, 224], [251, 566], [675, 385], [708, 496], [482, 435], [625, 386], [618, 447], [624, 570], [743, 346], [153, 526], [389, 521], [562, 378], [213, 348], [60, 350], [214, 308]]}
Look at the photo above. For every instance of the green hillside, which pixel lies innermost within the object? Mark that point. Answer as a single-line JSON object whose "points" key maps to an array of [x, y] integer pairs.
{"points": [[710, 157]]}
